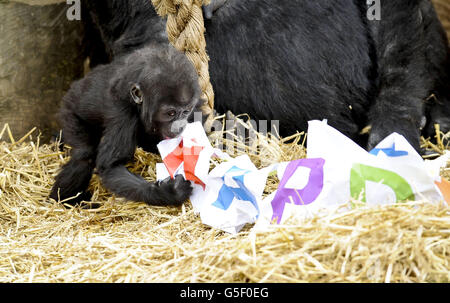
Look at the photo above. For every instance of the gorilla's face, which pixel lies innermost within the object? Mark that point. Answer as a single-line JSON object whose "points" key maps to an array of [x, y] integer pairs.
{"points": [[163, 86], [173, 111], [165, 114]]}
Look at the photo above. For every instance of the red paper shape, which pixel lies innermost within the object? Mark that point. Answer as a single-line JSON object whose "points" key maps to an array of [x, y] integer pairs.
{"points": [[188, 155], [174, 159]]}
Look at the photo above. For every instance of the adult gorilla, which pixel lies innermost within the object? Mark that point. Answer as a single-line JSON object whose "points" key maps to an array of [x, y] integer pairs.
{"points": [[294, 61]]}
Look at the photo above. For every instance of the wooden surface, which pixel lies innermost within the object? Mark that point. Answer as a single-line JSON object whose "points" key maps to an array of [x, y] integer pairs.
{"points": [[40, 55]]}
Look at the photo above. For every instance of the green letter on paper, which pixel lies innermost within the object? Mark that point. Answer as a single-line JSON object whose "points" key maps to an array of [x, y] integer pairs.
{"points": [[361, 173]]}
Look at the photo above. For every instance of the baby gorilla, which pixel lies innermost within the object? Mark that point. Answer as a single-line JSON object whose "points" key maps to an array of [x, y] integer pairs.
{"points": [[138, 99]]}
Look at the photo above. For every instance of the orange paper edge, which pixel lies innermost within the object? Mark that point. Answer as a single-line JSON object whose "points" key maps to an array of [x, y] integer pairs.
{"points": [[444, 187]]}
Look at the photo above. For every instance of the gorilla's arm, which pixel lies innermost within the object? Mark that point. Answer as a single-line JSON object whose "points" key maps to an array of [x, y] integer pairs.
{"points": [[116, 148]]}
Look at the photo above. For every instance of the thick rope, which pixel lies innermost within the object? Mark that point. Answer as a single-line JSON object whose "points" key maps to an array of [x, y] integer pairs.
{"points": [[186, 29]]}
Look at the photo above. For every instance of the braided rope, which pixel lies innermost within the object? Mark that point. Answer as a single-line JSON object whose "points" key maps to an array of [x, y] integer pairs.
{"points": [[185, 29]]}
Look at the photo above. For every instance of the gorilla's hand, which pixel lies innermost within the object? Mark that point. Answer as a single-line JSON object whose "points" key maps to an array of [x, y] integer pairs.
{"points": [[175, 191]]}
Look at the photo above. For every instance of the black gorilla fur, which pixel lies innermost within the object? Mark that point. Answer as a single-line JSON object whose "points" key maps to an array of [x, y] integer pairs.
{"points": [[294, 61], [138, 99], [284, 60]]}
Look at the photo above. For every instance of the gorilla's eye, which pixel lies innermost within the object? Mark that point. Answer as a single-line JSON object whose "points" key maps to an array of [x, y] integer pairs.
{"points": [[186, 112], [171, 113], [136, 94]]}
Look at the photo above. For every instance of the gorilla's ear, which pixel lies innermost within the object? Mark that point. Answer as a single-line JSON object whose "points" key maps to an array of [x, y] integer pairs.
{"points": [[136, 94]]}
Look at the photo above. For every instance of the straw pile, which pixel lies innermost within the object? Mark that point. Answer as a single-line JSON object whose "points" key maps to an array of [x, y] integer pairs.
{"points": [[120, 241]]}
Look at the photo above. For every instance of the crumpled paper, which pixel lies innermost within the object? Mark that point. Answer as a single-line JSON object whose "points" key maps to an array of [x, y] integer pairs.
{"points": [[233, 195], [335, 171], [187, 154], [338, 170]]}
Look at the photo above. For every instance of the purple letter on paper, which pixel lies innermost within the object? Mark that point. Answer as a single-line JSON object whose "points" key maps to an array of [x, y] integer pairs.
{"points": [[303, 196]]}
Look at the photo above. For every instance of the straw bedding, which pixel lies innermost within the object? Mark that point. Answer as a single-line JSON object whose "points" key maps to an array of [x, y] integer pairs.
{"points": [[120, 241]]}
